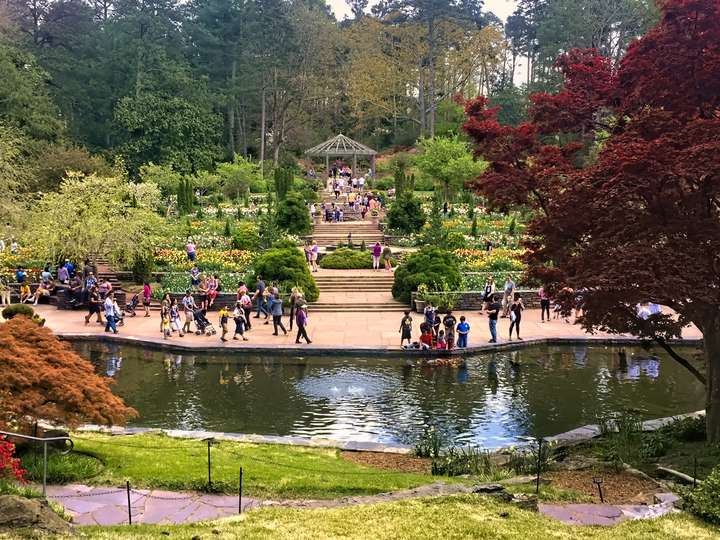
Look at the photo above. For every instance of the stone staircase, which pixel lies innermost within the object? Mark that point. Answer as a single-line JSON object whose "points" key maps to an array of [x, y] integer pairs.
{"points": [[353, 291], [332, 234]]}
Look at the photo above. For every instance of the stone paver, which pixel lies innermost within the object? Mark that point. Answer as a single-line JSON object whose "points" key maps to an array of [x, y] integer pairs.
{"points": [[359, 331], [108, 506], [92, 506]]}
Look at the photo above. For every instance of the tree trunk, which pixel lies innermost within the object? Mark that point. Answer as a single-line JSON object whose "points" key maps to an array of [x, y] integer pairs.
{"points": [[231, 112], [431, 75], [262, 132], [421, 97], [711, 339]]}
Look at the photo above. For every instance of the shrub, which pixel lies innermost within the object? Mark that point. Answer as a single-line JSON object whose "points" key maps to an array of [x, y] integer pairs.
{"points": [[246, 237], [431, 266], [292, 215], [17, 309], [382, 184], [691, 428], [288, 267], [346, 259], [704, 500], [258, 185], [406, 214]]}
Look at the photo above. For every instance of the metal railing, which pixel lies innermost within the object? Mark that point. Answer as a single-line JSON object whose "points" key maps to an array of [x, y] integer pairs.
{"points": [[45, 441]]}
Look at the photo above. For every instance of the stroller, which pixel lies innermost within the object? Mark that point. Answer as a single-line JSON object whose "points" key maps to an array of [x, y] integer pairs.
{"points": [[203, 325], [132, 305]]}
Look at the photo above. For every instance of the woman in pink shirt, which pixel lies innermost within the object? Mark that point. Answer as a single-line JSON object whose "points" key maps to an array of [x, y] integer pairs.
{"points": [[191, 249], [376, 252], [147, 294]]}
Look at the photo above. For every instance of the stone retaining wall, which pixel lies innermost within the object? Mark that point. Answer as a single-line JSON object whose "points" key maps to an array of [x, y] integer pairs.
{"points": [[473, 300]]}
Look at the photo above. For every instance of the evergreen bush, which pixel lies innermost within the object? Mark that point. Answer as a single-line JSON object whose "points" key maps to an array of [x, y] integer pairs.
{"points": [[292, 214], [286, 264], [435, 267], [406, 214], [344, 258]]}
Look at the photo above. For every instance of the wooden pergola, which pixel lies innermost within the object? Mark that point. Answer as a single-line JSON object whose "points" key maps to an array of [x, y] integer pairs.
{"points": [[342, 146]]}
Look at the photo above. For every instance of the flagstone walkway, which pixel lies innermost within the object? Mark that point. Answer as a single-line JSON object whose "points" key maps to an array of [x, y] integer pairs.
{"points": [[109, 506]]}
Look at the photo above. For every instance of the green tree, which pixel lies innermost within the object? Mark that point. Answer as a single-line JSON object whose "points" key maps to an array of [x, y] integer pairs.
{"points": [[92, 216], [168, 130], [432, 266], [450, 162], [436, 234], [283, 178], [237, 177], [163, 176], [293, 215], [406, 214]]}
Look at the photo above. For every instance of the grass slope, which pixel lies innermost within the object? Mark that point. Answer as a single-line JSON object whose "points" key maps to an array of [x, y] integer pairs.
{"points": [[157, 461], [466, 516]]}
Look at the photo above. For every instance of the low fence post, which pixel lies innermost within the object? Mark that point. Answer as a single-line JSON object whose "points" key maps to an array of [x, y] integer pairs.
{"points": [[539, 458], [127, 485], [240, 492], [44, 467]]}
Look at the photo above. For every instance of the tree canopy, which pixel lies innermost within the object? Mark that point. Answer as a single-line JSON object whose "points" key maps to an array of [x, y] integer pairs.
{"points": [[43, 378], [623, 166]]}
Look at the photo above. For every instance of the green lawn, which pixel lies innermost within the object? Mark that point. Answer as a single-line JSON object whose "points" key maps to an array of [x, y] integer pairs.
{"points": [[467, 516], [280, 471]]}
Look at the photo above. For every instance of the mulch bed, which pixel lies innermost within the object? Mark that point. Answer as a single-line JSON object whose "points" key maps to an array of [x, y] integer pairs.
{"points": [[390, 462], [618, 487]]}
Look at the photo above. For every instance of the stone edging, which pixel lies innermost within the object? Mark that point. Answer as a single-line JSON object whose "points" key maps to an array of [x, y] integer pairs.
{"points": [[318, 350], [583, 433]]}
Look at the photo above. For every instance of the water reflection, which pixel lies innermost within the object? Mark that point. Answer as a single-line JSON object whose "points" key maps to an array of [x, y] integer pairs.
{"points": [[494, 399]]}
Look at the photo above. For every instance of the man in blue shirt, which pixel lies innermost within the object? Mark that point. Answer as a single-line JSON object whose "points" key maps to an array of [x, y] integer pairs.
{"points": [[70, 267], [463, 329], [20, 275]]}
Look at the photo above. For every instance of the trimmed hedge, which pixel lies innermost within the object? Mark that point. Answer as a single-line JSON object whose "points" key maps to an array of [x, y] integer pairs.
{"points": [[293, 215], [431, 266], [286, 265], [406, 215], [18, 309], [347, 259]]}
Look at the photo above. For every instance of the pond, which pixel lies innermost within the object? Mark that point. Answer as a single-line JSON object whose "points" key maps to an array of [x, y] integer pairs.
{"points": [[495, 400]]}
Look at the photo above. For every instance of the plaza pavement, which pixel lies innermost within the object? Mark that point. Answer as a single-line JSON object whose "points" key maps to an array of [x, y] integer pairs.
{"points": [[328, 330]]}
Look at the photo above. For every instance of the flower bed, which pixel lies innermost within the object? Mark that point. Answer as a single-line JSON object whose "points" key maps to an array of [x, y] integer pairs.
{"points": [[498, 260], [179, 282], [208, 260]]}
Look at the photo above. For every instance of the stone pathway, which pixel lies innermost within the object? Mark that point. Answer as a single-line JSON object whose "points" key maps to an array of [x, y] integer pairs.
{"points": [[109, 506]]}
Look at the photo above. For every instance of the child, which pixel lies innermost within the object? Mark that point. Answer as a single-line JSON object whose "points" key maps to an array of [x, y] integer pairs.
{"points": [[175, 318], [405, 328], [25, 295], [426, 339], [441, 343], [224, 315], [463, 329], [166, 325], [239, 317]]}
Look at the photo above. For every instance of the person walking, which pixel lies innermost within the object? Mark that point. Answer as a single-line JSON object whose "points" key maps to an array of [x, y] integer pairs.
{"points": [[240, 322], [164, 308], [276, 308], [189, 306], [516, 310], [175, 318], [376, 252], [223, 315], [147, 295], [493, 312], [295, 296], [463, 330], [246, 304], [111, 312], [301, 319], [314, 253], [406, 329], [544, 304], [93, 305], [258, 296], [4, 292]]}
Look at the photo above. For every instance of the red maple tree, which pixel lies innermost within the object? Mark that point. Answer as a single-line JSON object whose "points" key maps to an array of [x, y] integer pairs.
{"points": [[629, 206], [43, 378]]}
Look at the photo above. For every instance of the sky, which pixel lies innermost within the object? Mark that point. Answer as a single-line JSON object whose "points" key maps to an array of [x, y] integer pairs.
{"points": [[501, 8]]}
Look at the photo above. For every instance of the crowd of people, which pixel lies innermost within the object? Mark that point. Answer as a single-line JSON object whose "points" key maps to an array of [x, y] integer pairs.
{"points": [[436, 332]]}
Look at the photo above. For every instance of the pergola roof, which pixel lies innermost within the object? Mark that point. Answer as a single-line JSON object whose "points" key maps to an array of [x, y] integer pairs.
{"points": [[340, 145]]}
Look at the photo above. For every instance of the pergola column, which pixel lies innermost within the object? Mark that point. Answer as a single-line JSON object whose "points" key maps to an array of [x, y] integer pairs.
{"points": [[372, 165], [327, 166], [355, 165]]}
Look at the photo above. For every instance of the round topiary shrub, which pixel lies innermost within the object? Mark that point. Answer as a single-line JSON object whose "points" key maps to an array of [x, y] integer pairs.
{"points": [[346, 259], [406, 215], [288, 267], [293, 215], [246, 236], [18, 309], [431, 266]]}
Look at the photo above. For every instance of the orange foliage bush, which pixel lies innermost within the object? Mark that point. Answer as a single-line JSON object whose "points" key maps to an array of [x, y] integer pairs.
{"points": [[43, 378]]}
